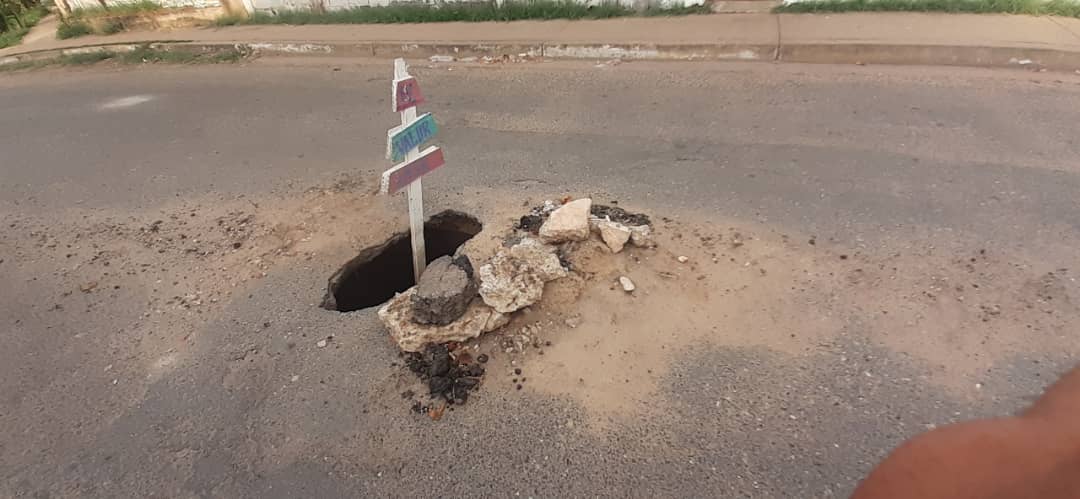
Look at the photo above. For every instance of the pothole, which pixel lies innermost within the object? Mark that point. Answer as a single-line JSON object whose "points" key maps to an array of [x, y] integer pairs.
{"points": [[380, 271]]}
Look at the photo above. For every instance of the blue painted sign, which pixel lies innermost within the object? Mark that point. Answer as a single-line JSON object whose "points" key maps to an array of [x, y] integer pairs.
{"points": [[404, 138]]}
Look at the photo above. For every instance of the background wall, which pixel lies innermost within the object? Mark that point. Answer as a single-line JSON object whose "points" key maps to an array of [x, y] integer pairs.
{"points": [[345, 4], [199, 4]]}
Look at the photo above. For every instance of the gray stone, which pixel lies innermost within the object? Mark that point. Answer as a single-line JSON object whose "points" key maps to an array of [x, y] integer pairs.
{"points": [[627, 284], [444, 292], [568, 223], [397, 316]]}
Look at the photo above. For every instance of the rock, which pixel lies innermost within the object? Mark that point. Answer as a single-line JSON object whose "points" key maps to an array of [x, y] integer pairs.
{"points": [[321, 343], [614, 234], [441, 58], [594, 223], [641, 236], [439, 384], [445, 290], [616, 214], [627, 284], [411, 337], [568, 223], [440, 360], [683, 259], [530, 223], [546, 209], [515, 278]]}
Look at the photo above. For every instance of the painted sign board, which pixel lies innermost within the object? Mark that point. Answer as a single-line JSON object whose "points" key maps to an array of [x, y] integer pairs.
{"points": [[401, 139], [407, 94], [404, 174]]}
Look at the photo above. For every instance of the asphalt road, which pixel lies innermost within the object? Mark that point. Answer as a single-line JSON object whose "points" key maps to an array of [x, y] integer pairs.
{"points": [[168, 232]]}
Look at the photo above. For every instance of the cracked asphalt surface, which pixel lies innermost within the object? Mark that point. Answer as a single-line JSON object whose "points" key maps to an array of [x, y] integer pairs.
{"points": [[168, 232]]}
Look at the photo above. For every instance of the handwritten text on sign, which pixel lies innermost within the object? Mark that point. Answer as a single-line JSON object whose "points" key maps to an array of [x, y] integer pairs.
{"points": [[407, 94], [402, 175], [402, 139]]}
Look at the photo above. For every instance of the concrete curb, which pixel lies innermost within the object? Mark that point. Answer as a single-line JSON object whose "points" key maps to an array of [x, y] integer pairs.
{"points": [[825, 53], [932, 55]]}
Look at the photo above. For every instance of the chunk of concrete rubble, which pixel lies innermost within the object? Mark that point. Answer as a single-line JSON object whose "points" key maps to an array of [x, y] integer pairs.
{"points": [[412, 337], [515, 277], [444, 292], [641, 236], [568, 223], [614, 234]]}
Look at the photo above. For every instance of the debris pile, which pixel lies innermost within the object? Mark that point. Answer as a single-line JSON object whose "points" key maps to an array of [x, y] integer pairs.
{"points": [[450, 373], [428, 320]]}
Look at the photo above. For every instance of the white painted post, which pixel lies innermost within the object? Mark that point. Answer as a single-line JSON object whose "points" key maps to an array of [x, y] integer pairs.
{"points": [[415, 191]]}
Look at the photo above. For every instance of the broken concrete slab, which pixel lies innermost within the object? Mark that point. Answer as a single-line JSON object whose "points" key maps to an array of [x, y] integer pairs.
{"points": [[570, 222], [614, 234], [515, 277], [444, 292], [397, 316], [641, 236]]}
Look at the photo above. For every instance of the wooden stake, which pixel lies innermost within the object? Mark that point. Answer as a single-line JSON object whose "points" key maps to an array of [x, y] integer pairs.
{"points": [[415, 191]]}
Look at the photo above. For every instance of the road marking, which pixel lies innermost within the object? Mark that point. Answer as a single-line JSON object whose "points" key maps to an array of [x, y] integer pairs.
{"points": [[123, 102]]}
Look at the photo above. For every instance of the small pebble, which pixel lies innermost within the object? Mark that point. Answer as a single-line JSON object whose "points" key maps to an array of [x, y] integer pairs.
{"points": [[321, 343], [627, 284], [519, 387], [517, 371], [683, 259], [482, 358]]}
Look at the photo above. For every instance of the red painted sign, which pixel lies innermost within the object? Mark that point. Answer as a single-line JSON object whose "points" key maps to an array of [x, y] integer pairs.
{"points": [[407, 94], [398, 177]]}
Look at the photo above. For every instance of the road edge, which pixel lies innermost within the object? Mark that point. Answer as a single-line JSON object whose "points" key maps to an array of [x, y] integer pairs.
{"points": [[820, 53]]}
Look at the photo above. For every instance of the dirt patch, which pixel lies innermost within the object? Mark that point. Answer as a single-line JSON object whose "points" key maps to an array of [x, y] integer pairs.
{"points": [[380, 271]]}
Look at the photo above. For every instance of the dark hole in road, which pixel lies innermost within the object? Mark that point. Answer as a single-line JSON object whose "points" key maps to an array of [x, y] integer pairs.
{"points": [[379, 271]]}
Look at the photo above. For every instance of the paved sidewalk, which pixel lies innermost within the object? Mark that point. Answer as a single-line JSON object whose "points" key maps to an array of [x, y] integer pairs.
{"points": [[905, 38]]}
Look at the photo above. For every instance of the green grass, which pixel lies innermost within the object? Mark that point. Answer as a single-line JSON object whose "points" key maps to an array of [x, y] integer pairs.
{"points": [[113, 26], [511, 10], [30, 18], [141, 55], [20, 66], [73, 29], [1067, 8]]}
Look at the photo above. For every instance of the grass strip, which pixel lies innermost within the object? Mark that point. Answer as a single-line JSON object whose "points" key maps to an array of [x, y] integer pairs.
{"points": [[511, 10]]}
